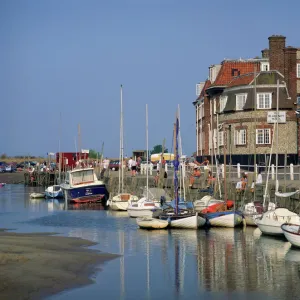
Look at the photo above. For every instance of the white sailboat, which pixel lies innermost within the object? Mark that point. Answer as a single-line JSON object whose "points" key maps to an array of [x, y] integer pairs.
{"points": [[292, 233], [205, 202], [181, 219], [120, 201], [144, 207]]}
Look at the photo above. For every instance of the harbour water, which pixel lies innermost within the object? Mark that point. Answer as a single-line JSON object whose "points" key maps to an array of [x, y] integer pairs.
{"points": [[166, 264]]}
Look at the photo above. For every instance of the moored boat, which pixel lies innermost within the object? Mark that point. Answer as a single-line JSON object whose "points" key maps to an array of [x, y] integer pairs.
{"points": [[143, 208], [120, 201], [151, 223], [82, 186], [292, 233], [37, 195], [229, 218], [271, 221], [254, 210], [54, 191]]}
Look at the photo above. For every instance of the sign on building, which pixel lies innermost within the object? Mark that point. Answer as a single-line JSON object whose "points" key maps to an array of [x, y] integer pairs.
{"points": [[85, 151], [272, 117]]}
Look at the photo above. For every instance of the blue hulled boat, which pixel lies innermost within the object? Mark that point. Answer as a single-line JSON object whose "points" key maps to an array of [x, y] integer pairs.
{"points": [[83, 186]]}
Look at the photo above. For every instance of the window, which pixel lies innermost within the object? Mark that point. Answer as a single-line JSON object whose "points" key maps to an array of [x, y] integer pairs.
{"points": [[240, 137], [221, 138], [223, 101], [240, 101], [264, 100], [265, 66], [298, 70], [263, 136], [298, 100]]}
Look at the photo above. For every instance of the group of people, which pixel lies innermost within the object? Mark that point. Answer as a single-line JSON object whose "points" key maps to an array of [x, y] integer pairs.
{"points": [[197, 172]]}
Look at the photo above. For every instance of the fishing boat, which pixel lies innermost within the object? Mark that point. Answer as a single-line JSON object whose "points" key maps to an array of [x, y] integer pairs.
{"points": [[292, 233], [145, 207], [151, 223], [54, 191], [37, 195], [120, 201], [83, 186], [187, 219]]}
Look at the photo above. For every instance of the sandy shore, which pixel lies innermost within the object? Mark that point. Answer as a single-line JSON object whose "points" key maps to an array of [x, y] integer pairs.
{"points": [[16, 177], [37, 265]]}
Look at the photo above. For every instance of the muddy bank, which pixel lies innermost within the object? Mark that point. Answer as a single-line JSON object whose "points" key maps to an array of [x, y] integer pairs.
{"points": [[37, 265], [12, 178]]}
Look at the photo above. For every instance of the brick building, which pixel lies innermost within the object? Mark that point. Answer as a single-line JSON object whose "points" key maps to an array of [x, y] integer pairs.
{"points": [[236, 104]]}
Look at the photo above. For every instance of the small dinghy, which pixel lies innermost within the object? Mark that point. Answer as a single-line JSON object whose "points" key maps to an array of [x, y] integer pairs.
{"points": [[151, 223], [292, 233], [54, 191], [37, 195]]}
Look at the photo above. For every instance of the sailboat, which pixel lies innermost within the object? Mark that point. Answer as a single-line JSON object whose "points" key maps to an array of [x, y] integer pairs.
{"points": [[144, 207], [271, 222], [218, 214], [120, 201], [184, 218]]}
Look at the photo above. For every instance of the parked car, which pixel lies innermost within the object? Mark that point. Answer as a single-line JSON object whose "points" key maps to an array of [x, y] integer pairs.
{"points": [[2, 168], [114, 165], [10, 168]]}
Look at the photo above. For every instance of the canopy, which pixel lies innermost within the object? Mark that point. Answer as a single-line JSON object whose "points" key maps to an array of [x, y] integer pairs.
{"points": [[286, 195]]}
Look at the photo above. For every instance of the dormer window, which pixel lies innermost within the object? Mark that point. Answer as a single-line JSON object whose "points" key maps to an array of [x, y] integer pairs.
{"points": [[264, 100], [265, 66], [235, 72], [240, 101]]}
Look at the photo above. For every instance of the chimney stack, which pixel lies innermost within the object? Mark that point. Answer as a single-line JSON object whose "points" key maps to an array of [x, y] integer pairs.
{"points": [[265, 53], [276, 52], [290, 71]]}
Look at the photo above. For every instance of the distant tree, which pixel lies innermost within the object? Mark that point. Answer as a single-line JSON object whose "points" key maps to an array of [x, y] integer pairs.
{"points": [[158, 149], [93, 154], [3, 156]]}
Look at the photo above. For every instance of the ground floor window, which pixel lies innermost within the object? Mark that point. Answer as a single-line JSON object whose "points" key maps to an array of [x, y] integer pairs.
{"points": [[263, 136], [240, 137]]}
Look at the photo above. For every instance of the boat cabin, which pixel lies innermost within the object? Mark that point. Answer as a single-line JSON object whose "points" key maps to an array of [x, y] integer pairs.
{"points": [[81, 176]]}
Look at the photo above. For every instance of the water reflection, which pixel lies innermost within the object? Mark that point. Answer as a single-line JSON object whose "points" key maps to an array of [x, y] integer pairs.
{"points": [[167, 264]]}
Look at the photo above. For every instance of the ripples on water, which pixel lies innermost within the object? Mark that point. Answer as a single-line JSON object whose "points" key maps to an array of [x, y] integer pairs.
{"points": [[165, 264]]}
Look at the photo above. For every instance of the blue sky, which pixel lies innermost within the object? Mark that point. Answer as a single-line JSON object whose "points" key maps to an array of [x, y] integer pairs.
{"points": [[69, 57]]}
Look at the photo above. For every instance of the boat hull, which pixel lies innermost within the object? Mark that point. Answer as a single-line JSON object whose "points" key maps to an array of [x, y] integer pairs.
{"points": [[225, 219], [136, 212], [118, 205], [290, 232], [58, 194], [273, 228], [87, 194], [151, 223], [250, 219], [185, 221]]}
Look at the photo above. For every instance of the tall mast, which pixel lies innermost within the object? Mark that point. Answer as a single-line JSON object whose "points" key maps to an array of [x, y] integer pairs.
{"points": [[181, 154], [121, 143], [147, 149], [176, 163], [79, 142], [277, 140], [255, 103], [224, 148]]}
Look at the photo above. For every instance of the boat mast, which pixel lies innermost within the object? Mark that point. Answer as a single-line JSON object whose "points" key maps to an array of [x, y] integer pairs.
{"points": [[121, 171], [59, 157], [147, 149], [277, 140], [181, 154], [176, 163], [225, 145]]}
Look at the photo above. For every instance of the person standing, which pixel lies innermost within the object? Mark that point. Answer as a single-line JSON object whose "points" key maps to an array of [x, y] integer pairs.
{"points": [[133, 168], [130, 163]]}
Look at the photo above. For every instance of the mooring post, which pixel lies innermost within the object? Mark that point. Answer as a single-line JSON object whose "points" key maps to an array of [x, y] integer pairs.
{"points": [[239, 170], [292, 171]]}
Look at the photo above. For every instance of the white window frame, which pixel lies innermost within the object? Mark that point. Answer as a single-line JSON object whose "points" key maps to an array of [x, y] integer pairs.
{"points": [[298, 70], [263, 96], [265, 134], [240, 101], [215, 138], [298, 100], [223, 101], [240, 136], [221, 138], [265, 66]]}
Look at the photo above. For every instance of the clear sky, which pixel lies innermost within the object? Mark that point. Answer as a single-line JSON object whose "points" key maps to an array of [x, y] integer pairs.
{"points": [[69, 57]]}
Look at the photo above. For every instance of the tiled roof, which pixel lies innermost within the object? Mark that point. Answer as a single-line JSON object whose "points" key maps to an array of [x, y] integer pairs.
{"points": [[241, 80], [231, 69]]}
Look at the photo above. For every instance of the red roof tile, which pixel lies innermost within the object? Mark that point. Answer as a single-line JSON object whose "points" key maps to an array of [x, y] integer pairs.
{"points": [[231, 69], [241, 80]]}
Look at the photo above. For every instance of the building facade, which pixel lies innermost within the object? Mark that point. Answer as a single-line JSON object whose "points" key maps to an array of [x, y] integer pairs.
{"points": [[236, 107]]}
